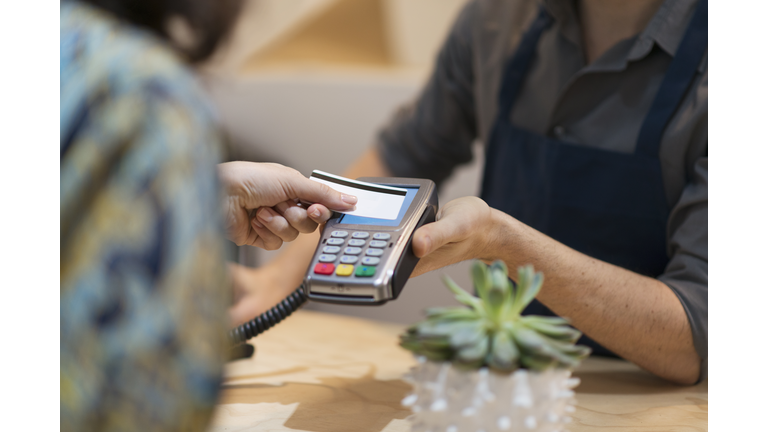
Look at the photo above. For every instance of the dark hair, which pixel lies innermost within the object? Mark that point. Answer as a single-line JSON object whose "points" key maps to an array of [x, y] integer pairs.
{"points": [[209, 20]]}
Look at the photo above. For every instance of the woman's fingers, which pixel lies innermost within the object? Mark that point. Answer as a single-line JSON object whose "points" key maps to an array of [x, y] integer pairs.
{"points": [[266, 239], [319, 213], [314, 192], [275, 187], [270, 227], [296, 216], [276, 224]]}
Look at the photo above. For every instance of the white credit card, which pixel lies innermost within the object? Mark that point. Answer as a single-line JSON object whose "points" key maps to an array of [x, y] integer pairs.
{"points": [[373, 201]]}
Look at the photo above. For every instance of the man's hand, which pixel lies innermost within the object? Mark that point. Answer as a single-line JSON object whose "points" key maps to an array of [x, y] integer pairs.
{"points": [[637, 317], [461, 232], [262, 203]]}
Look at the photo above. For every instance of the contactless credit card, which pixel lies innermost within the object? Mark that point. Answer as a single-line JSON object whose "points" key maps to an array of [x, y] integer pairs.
{"points": [[373, 200]]}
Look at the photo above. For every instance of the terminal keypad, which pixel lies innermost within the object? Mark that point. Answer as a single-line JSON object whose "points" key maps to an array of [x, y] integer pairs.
{"points": [[342, 254]]}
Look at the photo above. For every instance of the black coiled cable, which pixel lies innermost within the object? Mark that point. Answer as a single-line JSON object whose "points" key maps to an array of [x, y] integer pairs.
{"points": [[268, 319]]}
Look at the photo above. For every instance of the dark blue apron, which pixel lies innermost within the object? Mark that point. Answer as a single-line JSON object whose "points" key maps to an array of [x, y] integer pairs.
{"points": [[608, 205]]}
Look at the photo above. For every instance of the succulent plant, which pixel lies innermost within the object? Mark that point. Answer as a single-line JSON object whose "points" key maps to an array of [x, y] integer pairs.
{"points": [[490, 331]]}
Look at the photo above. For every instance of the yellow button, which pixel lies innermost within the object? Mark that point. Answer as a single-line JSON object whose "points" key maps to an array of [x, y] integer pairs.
{"points": [[345, 269]]}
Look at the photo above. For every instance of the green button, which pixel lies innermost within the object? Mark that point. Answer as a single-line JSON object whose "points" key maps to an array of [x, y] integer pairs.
{"points": [[365, 271]]}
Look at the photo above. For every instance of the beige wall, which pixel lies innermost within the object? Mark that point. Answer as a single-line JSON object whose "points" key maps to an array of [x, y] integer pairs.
{"points": [[394, 33]]}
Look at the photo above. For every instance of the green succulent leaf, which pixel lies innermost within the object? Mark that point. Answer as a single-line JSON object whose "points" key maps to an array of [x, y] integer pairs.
{"points": [[499, 266], [499, 301], [558, 332], [551, 320], [529, 340], [463, 296], [528, 286], [576, 351], [439, 327], [481, 279], [490, 331], [504, 354], [499, 276], [451, 313], [475, 351], [537, 363], [469, 334]]}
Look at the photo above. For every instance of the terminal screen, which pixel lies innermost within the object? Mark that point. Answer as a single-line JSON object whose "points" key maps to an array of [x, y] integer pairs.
{"points": [[358, 220]]}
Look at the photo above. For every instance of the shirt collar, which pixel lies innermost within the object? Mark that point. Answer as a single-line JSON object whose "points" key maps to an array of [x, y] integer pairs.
{"points": [[666, 28]]}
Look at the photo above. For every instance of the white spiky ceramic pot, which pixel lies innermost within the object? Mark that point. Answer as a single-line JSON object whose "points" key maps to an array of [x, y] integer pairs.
{"points": [[486, 368]]}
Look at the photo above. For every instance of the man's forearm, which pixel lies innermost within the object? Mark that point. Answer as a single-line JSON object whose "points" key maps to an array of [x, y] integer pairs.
{"points": [[637, 317]]}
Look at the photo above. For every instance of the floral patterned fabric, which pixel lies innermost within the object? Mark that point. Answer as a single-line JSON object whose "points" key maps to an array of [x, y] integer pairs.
{"points": [[143, 294]]}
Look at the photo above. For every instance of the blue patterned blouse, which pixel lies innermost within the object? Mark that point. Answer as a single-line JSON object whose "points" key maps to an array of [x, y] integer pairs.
{"points": [[143, 295]]}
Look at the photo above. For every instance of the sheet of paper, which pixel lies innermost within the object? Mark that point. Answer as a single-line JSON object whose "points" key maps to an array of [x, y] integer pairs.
{"points": [[374, 201]]}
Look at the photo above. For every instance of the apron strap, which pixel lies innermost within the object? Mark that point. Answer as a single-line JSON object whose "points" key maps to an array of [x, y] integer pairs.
{"points": [[517, 66], [676, 82]]}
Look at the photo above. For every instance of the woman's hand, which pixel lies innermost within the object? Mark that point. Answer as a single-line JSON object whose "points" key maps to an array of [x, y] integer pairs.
{"points": [[464, 229], [262, 203]]}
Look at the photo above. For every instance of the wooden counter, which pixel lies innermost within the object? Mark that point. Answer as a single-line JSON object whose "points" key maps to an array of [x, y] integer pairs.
{"points": [[328, 373]]}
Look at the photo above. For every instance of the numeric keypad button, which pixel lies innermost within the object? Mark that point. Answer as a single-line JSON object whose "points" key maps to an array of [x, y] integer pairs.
{"points": [[352, 250], [326, 258], [374, 252], [378, 244], [360, 235], [331, 249], [340, 234], [335, 241], [381, 236], [324, 269], [357, 242]]}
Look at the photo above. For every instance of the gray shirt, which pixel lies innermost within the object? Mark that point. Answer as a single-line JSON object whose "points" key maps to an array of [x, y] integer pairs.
{"points": [[602, 105]]}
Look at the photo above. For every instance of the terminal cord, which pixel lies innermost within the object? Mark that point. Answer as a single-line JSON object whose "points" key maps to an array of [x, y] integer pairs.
{"points": [[268, 319]]}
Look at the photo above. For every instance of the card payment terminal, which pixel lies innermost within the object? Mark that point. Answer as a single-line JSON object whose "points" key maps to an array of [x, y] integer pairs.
{"points": [[367, 261], [358, 261]]}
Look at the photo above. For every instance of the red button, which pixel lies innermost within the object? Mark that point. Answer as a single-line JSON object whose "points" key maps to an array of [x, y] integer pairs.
{"points": [[324, 268]]}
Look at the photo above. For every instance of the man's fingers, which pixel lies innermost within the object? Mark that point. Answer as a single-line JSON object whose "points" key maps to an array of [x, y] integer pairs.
{"points": [[422, 241], [433, 236]]}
